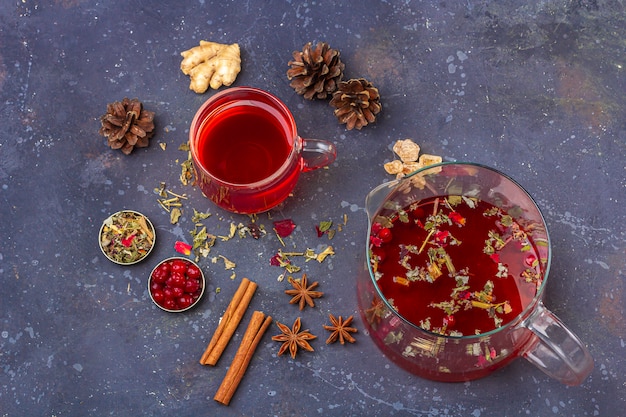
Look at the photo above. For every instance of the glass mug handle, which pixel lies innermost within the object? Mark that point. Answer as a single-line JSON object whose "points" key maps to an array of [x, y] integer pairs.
{"points": [[316, 154], [555, 349]]}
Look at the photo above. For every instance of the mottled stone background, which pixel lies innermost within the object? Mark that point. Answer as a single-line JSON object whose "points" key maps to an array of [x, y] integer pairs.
{"points": [[535, 89]]}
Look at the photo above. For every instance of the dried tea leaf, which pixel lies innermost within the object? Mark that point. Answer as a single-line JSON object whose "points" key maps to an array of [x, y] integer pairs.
{"points": [[326, 252], [325, 225], [198, 217], [187, 172], [228, 264], [175, 215]]}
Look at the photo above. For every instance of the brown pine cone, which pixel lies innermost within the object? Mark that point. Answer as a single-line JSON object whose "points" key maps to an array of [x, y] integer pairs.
{"points": [[314, 73], [126, 125], [357, 103]]}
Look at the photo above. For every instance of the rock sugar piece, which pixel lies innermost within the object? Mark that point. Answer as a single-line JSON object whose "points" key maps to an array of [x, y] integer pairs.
{"points": [[410, 159], [211, 64]]}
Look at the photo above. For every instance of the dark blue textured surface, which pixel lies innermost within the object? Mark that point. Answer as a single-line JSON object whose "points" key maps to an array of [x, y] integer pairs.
{"points": [[536, 90]]}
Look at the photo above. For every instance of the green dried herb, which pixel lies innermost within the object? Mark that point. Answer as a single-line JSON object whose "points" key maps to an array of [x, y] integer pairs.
{"points": [[126, 237]]}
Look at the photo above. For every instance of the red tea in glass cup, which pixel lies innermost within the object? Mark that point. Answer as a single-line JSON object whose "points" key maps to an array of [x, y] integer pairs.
{"points": [[457, 262], [247, 153]]}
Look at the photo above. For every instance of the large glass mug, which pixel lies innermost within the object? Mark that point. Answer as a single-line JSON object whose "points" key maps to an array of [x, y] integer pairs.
{"points": [[535, 334]]}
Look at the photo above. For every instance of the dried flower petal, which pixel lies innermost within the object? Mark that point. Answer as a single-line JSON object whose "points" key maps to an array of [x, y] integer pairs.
{"points": [[128, 240], [457, 218], [284, 227], [182, 247]]}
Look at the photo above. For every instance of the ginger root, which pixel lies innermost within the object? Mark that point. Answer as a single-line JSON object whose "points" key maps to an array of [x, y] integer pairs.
{"points": [[211, 64]]}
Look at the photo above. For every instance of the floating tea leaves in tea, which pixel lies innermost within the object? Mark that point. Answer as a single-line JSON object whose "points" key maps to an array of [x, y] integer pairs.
{"points": [[455, 265]]}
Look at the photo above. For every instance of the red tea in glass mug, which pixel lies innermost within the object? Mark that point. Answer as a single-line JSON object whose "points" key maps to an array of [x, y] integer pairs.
{"points": [[246, 150], [457, 266], [457, 262]]}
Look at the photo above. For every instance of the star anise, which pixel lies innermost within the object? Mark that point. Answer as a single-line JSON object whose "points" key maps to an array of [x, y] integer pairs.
{"points": [[293, 338], [340, 330], [302, 293]]}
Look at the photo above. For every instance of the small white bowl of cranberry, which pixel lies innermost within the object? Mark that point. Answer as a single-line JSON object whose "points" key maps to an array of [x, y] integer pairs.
{"points": [[176, 284]]}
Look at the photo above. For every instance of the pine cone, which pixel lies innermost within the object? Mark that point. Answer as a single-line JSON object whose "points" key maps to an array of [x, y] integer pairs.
{"points": [[357, 103], [126, 125], [314, 73]]}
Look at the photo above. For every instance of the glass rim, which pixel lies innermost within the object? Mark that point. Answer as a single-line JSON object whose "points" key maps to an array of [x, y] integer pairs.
{"points": [[510, 324]]}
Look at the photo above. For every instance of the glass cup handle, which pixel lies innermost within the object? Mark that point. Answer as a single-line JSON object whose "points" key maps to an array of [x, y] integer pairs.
{"points": [[555, 349], [317, 153]]}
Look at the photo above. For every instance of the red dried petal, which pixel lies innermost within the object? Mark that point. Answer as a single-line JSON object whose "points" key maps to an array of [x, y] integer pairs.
{"points": [[182, 247], [441, 236], [129, 240], [284, 227], [457, 218], [275, 260]]}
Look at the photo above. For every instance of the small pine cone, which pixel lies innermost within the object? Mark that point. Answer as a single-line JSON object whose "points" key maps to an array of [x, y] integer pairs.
{"points": [[357, 103], [126, 125], [314, 73]]}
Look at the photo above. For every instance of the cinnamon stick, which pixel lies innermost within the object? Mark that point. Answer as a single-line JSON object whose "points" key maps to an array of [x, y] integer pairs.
{"points": [[230, 320], [256, 328]]}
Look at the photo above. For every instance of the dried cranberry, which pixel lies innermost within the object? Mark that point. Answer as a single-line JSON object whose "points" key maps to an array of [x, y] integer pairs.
{"points": [[158, 296], [191, 286], [193, 272], [168, 292], [160, 275], [184, 301], [385, 234], [169, 304], [165, 267], [176, 280], [178, 265]]}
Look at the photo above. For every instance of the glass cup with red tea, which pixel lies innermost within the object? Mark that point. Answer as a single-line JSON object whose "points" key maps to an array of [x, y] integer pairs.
{"points": [[247, 153]]}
